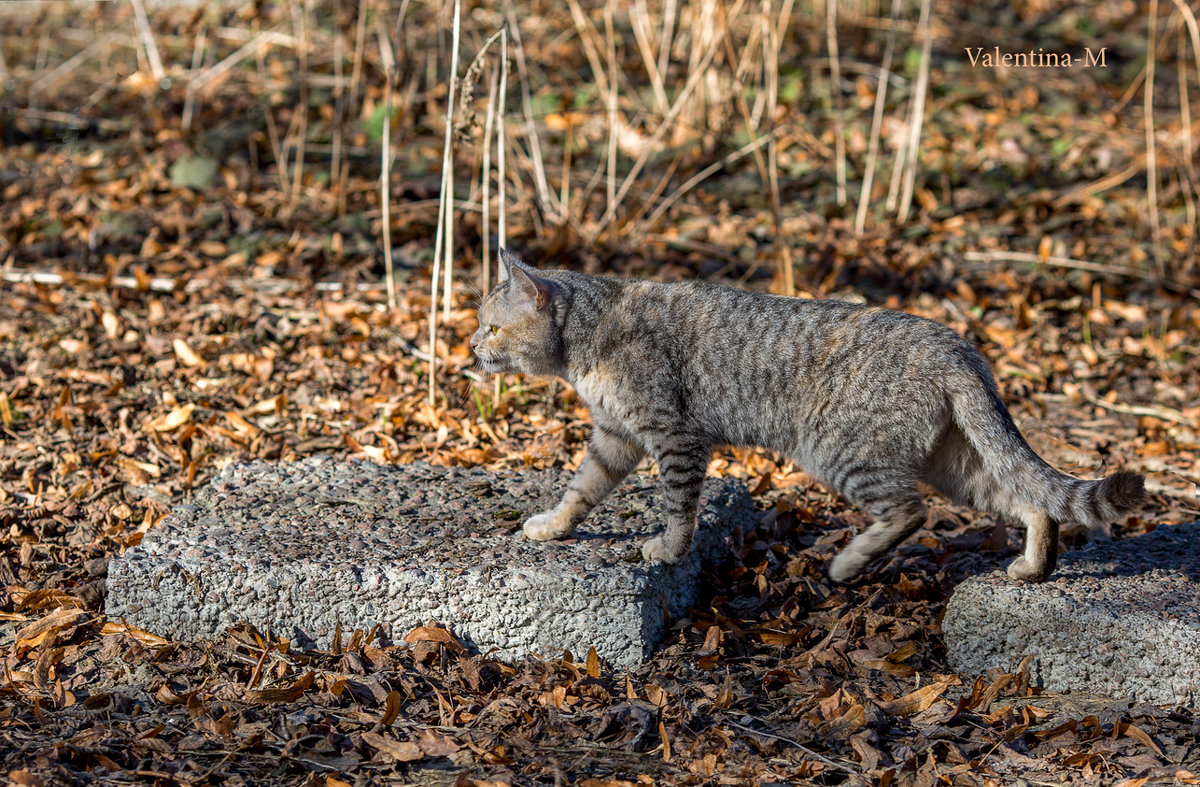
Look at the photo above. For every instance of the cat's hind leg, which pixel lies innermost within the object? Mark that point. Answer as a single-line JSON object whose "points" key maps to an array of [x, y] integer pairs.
{"points": [[1041, 549], [682, 463], [609, 459], [897, 516]]}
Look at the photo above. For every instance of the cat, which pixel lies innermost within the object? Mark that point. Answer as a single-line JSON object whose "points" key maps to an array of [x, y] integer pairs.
{"points": [[867, 400]]}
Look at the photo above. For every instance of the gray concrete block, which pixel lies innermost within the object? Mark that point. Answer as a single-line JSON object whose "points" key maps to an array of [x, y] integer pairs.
{"points": [[304, 546], [1120, 619]]}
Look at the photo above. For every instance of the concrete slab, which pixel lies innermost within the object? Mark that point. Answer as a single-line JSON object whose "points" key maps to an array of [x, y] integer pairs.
{"points": [[1120, 619], [307, 545]]}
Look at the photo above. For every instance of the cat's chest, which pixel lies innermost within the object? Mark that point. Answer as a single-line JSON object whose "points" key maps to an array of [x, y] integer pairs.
{"points": [[598, 390], [610, 402]]}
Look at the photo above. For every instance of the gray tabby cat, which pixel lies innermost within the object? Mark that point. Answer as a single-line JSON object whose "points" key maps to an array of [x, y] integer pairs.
{"points": [[866, 400]]}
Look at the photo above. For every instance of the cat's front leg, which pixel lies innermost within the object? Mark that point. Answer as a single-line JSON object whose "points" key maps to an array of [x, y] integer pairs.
{"points": [[609, 459], [682, 463]]}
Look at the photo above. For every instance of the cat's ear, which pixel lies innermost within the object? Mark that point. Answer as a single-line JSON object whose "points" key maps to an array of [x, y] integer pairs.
{"points": [[529, 290], [508, 261]]}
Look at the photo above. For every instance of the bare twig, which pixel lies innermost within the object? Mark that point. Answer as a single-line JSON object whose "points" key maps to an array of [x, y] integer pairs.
{"points": [[1153, 411], [1079, 265], [63, 70], [252, 47], [703, 175], [835, 765]]}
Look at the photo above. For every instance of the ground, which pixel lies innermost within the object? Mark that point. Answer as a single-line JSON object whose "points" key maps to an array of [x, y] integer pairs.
{"points": [[194, 274]]}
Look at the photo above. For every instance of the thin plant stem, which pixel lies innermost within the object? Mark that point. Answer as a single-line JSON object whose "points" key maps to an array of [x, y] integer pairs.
{"points": [[918, 112], [446, 211], [385, 168], [771, 45], [864, 197], [611, 191], [1151, 151], [501, 142], [486, 184], [148, 42], [668, 122], [549, 202], [835, 93]]}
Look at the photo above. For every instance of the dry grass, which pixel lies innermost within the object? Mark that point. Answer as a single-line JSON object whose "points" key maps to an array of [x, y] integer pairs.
{"points": [[661, 99]]}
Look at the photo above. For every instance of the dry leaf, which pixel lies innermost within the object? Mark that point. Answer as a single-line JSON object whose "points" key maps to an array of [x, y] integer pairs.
{"points": [[284, 693], [187, 354], [435, 634], [434, 745], [145, 637], [172, 420], [391, 707], [593, 663], [918, 700], [1139, 735], [400, 751]]}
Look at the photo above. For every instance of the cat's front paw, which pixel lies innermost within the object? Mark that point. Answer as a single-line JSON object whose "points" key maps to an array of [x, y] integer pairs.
{"points": [[547, 526], [658, 548], [1023, 570]]}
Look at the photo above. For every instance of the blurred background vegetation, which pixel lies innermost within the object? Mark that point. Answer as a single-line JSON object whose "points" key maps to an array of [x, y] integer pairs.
{"points": [[678, 138]]}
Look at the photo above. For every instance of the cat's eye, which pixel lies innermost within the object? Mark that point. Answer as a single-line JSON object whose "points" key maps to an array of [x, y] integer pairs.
{"points": [[495, 329]]}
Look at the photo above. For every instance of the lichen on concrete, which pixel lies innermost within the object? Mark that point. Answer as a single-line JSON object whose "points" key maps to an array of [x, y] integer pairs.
{"points": [[1119, 619], [307, 546]]}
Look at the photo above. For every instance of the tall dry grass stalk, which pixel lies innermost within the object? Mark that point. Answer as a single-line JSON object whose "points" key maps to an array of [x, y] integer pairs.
{"points": [[772, 43], [385, 167], [485, 178], [694, 78], [501, 143], [639, 18], [300, 15], [835, 93], [885, 70], [360, 33], [1192, 189], [445, 226], [611, 180], [545, 195], [148, 43], [1151, 151], [189, 100], [918, 113]]}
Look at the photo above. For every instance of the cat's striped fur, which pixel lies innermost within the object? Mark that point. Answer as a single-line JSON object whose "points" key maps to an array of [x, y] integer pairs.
{"points": [[867, 400]]}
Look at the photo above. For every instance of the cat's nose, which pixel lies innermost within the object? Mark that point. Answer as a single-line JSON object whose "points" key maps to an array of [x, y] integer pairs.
{"points": [[474, 341]]}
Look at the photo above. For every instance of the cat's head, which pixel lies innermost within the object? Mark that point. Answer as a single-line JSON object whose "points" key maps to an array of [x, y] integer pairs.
{"points": [[517, 331]]}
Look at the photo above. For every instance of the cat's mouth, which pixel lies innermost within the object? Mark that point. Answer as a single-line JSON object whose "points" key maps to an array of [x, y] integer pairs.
{"points": [[491, 366]]}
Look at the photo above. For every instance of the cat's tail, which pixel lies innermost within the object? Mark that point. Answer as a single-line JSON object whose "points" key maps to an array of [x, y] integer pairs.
{"points": [[1020, 479]]}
